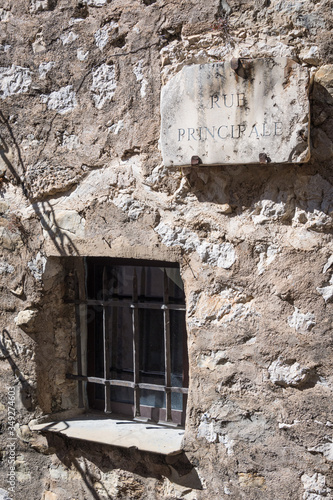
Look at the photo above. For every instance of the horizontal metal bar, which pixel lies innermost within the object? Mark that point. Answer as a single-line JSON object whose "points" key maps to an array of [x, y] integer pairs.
{"points": [[130, 304], [95, 380], [126, 383], [162, 388]]}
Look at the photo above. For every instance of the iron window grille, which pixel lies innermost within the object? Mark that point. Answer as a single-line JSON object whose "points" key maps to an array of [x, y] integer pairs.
{"points": [[137, 362]]}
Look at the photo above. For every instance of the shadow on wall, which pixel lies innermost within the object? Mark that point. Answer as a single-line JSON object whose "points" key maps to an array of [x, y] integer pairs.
{"points": [[133, 464], [26, 393], [62, 241]]}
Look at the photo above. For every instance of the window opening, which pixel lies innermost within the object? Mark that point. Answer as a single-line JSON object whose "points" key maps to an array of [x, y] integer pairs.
{"points": [[137, 351]]}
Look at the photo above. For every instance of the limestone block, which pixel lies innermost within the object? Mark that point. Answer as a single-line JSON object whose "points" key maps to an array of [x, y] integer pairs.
{"points": [[325, 447], [58, 472], [68, 38], [140, 78], [315, 487], [10, 239], [267, 257], [39, 5], [37, 266], [6, 268], [26, 320], [206, 430], [96, 3], [14, 80], [44, 68], [302, 322], [286, 373], [43, 178], [62, 101], [104, 84], [5, 15], [5, 495], [311, 55], [82, 54], [23, 432], [212, 360], [49, 495], [247, 480], [243, 111], [324, 76], [66, 221], [220, 255], [38, 45], [328, 264], [102, 35], [327, 291]]}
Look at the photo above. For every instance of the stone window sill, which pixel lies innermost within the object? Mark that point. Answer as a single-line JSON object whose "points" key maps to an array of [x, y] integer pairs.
{"points": [[117, 431]]}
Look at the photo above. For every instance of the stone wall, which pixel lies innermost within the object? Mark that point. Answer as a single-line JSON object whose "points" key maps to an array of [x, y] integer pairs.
{"points": [[81, 174]]}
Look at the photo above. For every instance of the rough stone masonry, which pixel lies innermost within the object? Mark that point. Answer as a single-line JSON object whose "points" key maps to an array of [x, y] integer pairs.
{"points": [[82, 174]]}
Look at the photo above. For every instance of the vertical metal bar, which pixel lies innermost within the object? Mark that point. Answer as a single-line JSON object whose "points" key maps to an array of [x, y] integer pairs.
{"points": [[78, 339], [135, 326], [185, 378], [167, 349], [106, 344], [115, 327]]}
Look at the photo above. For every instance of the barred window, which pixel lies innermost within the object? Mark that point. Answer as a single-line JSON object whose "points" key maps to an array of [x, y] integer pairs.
{"points": [[137, 362]]}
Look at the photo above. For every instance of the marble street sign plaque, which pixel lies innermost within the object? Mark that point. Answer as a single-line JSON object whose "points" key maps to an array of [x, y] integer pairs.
{"points": [[237, 112]]}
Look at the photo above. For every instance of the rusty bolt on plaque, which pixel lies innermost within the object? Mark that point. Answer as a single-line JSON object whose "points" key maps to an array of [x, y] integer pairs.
{"points": [[263, 158], [195, 160], [234, 63]]}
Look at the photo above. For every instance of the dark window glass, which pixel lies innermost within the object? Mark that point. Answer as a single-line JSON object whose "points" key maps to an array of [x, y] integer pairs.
{"points": [[115, 289]]}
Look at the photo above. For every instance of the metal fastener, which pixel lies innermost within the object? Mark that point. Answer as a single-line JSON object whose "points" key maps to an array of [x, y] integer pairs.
{"points": [[195, 160]]}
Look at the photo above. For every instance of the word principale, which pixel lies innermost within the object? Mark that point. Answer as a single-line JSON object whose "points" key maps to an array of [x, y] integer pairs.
{"points": [[230, 131]]}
